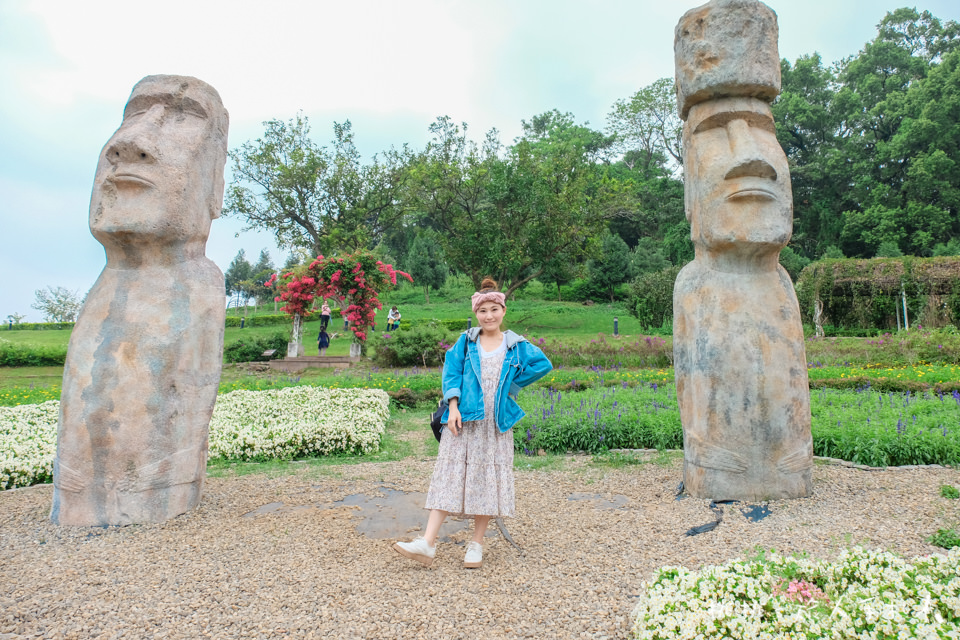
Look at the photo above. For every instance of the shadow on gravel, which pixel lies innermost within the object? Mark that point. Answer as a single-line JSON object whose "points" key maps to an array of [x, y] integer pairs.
{"points": [[386, 515]]}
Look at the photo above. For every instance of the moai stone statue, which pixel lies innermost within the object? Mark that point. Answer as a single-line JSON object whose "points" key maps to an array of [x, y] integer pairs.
{"points": [[739, 357], [143, 365]]}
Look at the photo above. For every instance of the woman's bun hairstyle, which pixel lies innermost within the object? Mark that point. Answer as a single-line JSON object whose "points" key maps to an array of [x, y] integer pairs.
{"points": [[488, 285]]}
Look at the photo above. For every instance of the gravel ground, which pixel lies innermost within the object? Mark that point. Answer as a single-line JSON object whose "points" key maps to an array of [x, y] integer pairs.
{"points": [[282, 556]]}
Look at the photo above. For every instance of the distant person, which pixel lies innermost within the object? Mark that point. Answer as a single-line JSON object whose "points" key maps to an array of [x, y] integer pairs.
{"points": [[473, 475], [393, 319], [324, 316], [323, 341]]}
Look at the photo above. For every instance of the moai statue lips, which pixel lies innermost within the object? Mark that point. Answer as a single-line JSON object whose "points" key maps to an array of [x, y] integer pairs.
{"points": [[739, 355], [143, 365]]}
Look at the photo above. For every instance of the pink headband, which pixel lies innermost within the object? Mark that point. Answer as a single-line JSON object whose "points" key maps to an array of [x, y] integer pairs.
{"points": [[490, 296]]}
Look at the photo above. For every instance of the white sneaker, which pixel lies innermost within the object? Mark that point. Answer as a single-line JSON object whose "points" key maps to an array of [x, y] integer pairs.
{"points": [[418, 550], [474, 557]]}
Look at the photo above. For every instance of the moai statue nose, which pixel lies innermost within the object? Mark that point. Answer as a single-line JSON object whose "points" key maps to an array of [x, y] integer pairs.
{"points": [[748, 157], [131, 149], [135, 141]]}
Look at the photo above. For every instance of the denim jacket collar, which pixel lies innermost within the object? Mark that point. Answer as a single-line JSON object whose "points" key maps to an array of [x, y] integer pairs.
{"points": [[509, 336]]}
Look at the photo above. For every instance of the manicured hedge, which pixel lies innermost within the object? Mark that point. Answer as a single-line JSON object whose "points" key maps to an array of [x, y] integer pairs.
{"points": [[17, 355], [38, 326]]}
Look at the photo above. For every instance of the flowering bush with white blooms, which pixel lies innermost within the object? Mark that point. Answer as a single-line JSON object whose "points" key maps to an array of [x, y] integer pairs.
{"points": [[246, 425], [864, 594], [28, 441], [297, 421]]}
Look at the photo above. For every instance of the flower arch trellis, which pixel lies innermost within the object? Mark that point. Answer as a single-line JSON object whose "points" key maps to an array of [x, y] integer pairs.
{"points": [[356, 279]]}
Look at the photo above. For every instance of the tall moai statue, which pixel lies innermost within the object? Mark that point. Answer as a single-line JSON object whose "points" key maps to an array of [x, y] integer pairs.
{"points": [[144, 360], [740, 363]]}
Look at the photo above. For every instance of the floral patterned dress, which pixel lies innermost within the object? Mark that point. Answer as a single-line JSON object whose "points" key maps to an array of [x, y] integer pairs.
{"points": [[473, 475]]}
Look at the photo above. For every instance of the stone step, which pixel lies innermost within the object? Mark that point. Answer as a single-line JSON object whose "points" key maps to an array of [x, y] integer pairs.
{"points": [[290, 365]]}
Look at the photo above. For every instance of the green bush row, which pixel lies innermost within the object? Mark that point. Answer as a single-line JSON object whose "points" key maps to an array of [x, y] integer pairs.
{"points": [[271, 320], [252, 350], [38, 326], [16, 355]]}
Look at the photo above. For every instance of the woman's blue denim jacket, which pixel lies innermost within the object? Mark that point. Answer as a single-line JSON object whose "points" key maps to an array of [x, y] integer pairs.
{"points": [[523, 364]]}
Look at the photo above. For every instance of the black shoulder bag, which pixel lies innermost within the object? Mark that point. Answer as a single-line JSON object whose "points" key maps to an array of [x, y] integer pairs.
{"points": [[442, 407]]}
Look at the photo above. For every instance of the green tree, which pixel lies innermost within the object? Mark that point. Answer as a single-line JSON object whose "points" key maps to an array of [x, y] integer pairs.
{"points": [[646, 257], [237, 278], [810, 116], [312, 197], [793, 262], [426, 264], [559, 271], [262, 270], [951, 248], [901, 151], [57, 304], [647, 124], [447, 185], [613, 265], [508, 213], [832, 252], [888, 249], [871, 140]]}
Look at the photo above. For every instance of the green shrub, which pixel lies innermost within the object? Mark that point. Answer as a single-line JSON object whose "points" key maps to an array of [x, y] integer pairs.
{"points": [[949, 492], [26, 355], [651, 297], [946, 538], [456, 325], [251, 350], [582, 290], [422, 345]]}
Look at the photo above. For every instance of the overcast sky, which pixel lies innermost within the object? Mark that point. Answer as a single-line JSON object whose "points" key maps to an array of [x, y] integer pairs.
{"points": [[391, 68]]}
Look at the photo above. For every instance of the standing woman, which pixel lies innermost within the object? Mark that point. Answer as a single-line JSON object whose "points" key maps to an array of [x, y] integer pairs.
{"points": [[323, 341], [473, 475], [324, 315]]}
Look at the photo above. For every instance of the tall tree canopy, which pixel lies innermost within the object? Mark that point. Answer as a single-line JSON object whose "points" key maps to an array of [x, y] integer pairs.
{"points": [[313, 197], [872, 141], [508, 212]]}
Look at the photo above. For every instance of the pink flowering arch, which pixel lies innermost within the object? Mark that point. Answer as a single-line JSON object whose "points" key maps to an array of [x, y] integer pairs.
{"points": [[356, 279]]}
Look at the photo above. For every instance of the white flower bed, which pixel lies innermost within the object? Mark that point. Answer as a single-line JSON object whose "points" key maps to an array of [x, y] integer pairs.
{"points": [[297, 421], [246, 425], [864, 594], [28, 441]]}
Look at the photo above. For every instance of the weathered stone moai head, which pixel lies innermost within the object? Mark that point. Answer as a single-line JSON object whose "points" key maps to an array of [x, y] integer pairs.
{"points": [[737, 181], [153, 184], [143, 367]]}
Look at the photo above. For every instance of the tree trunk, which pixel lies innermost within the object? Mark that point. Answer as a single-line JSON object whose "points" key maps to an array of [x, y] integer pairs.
{"points": [[295, 346], [426, 293]]}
